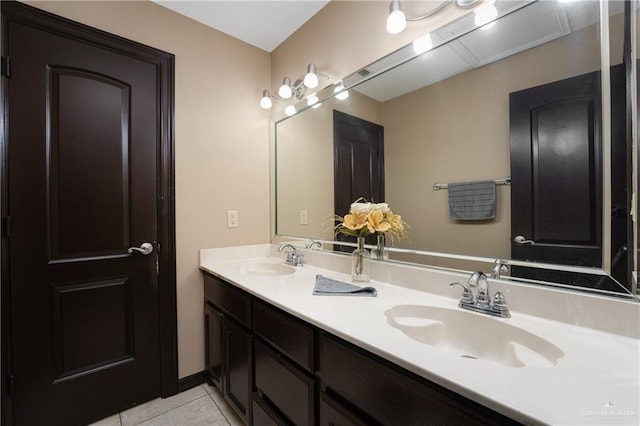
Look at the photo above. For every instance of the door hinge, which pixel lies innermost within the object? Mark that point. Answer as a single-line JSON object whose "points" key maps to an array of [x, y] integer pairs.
{"points": [[6, 66], [6, 226], [11, 385]]}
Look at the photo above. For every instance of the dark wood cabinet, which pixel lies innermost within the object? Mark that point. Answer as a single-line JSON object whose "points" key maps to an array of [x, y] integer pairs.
{"points": [[228, 343], [287, 388], [276, 369], [391, 395], [237, 367], [264, 415], [213, 340], [289, 335], [335, 413]]}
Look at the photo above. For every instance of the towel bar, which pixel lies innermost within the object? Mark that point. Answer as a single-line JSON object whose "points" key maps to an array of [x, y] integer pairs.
{"points": [[506, 181]]}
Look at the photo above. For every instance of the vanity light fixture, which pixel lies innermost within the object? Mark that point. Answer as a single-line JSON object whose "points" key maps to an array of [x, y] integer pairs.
{"points": [[285, 91], [312, 99], [397, 20], [265, 101], [296, 90], [290, 110], [341, 92]]}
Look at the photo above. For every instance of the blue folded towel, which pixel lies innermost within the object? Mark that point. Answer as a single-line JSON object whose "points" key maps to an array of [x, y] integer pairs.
{"points": [[329, 287], [472, 200]]}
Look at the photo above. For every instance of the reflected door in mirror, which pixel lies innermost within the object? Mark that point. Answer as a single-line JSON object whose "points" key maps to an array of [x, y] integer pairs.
{"points": [[358, 163], [556, 167]]}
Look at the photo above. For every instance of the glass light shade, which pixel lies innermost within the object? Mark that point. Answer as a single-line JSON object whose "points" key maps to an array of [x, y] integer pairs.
{"points": [[290, 110], [396, 21], [340, 91], [311, 78], [266, 102], [342, 95], [285, 89], [312, 99]]}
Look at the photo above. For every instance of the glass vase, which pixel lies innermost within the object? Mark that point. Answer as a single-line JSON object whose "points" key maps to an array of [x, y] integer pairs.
{"points": [[360, 263], [379, 252]]}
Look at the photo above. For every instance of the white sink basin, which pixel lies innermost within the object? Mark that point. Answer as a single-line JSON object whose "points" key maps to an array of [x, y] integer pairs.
{"points": [[474, 336], [270, 269]]}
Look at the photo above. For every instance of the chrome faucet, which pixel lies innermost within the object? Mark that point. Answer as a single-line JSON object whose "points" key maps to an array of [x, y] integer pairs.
{"points": [[312, 243], [482, 302], [293, 258], [499, 268]]}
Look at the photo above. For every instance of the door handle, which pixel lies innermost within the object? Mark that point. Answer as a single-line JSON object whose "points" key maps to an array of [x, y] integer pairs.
{"points": [[145, 249], [520, 240]]}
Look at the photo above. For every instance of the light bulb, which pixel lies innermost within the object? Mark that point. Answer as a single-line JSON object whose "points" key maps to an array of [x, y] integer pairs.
{"points": [[265, 102], [290, 110], [285, 89], [340, 91], [311, 78], [396, 21], [312, 99], [423, 44]]}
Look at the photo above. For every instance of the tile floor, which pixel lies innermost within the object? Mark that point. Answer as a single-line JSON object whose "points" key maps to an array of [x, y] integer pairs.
{"points": [[202, 405]]}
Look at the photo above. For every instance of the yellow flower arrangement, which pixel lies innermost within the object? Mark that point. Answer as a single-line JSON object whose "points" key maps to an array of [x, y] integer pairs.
{"points": [[366, 218]]}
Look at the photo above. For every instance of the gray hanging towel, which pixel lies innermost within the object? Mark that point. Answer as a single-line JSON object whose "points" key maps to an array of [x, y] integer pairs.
{"points": [[330, 287], [472, 200]]}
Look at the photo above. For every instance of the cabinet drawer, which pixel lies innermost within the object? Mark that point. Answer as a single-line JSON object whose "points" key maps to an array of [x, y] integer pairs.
{"points": [[291, 336], [284, 385], [230, 300], [392, 396]]}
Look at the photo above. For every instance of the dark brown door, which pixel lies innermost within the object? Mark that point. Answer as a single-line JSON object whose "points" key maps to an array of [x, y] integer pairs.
{"points": [[358, 163], [556, 170], [83, 150]]}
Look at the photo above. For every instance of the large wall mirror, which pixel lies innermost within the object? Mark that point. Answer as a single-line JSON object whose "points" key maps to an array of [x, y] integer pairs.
{"points": [[522, 101]]}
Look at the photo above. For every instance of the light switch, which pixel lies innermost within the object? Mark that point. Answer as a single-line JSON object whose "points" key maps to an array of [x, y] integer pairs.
{"points": [[303, 217]]}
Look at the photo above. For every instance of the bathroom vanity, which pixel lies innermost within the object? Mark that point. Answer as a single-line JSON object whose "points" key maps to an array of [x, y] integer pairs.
{"points": [[410, 356]]}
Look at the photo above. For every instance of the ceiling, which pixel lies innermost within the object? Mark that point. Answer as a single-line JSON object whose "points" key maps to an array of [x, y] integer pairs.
{"points": [[264, 24]]}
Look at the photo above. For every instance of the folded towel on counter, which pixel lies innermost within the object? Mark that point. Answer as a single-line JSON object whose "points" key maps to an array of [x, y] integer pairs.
{"points": [[330, 287], [472, 200]]}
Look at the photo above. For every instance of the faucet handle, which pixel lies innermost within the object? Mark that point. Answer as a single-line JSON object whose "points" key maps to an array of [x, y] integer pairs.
{"points": [[499, 301], [467, 295], [500, 305]]}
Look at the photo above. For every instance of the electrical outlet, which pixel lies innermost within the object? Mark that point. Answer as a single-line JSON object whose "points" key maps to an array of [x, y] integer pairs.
{"points": [[232, 219], [303, 217]]}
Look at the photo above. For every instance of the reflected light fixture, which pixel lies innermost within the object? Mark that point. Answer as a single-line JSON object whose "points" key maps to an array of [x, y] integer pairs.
{"points": [[423, 44], [485, 16], [290, 110], [341, 92], [312, 99], [397, 20], [296, 90]]}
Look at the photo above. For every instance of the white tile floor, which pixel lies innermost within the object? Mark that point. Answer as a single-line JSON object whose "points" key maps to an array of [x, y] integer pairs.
{"points": [[202, 405]]}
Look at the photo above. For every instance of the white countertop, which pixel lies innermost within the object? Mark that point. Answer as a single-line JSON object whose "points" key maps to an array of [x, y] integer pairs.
{"points": [[597, 380]]}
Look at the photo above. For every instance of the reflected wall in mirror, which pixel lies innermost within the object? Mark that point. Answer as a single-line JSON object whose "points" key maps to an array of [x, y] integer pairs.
{"points": [[446, 118]]}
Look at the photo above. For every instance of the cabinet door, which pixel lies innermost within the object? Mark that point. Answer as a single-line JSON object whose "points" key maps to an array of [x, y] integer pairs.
{"points": [[333, 413], [213, 344], [237, 367], [284, 385], [263, 415]]}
